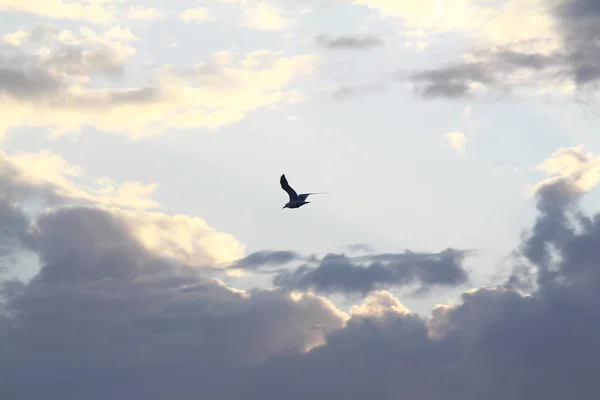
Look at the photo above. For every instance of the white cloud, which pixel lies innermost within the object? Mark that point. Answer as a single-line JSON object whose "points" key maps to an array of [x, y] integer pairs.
{"points": [[581, 170], [49, 177], [491, 22], [377, 304], [98, 11], [144, 13], [15, 38], [209, 95], [265, 17], [189, 240], [197, 14], [52, 172], [456, 140], [123, 34], [262, 15]]}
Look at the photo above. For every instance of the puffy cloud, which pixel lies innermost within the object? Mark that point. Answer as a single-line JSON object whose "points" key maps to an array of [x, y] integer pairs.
{"points": [[262, 15], [190, 240], [115, 297], [481, 20], [572, 167], [265, 17], [52, 176], [456, 140], [55, 86], [110, 314], [448, 15], [15, 38], [496, 342], [97, 11], [48, 178], [378, 304]]}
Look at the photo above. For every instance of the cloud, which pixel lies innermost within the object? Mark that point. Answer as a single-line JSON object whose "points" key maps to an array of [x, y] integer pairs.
{"points": [[144, 13], [55, 88], [53, 177], [496, 342], [348, 42], [122, 34], [48, 178], [15, 38], [562, 62], [481, 20], [265, 17], [456, 140], [447, 15], [116, 281], [197, 14], [262, 15], [107, 315], [572, 167], [266, 258], [96, 11], [338, 273]]}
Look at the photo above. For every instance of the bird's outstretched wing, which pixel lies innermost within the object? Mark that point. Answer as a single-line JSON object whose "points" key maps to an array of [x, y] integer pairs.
{"points": [[286, 186], [303, 196]]}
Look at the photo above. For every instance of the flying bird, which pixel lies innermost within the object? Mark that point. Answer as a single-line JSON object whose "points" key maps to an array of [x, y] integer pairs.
{"points": [[296, 200]]}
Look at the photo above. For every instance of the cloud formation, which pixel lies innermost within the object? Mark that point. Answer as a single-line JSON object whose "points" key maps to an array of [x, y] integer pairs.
{"points": [[209, 95], [338, 273], [97, 11], [113, 312], [565, 65]]}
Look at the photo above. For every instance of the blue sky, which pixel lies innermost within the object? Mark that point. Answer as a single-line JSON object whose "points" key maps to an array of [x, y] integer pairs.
{"points": [[178, 118]]}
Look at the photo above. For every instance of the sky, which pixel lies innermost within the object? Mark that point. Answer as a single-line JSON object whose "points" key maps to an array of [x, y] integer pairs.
{"points": [[144, 250]]}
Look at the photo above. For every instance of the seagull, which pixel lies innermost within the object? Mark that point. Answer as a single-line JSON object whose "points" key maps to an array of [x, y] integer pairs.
{"points": [[296, 200]]}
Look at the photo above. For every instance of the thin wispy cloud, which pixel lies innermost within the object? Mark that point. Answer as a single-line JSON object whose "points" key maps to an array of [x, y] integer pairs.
{"points": [[348, 42]]}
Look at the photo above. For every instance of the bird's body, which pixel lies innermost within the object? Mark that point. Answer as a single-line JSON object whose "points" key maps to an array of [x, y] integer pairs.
{"points": [[296, 200], [295, 204]]}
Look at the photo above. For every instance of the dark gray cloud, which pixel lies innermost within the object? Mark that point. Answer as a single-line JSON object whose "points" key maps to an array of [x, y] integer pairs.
{"points": [[493, 70], [266, 258], [576, 60], [105, 318], [358, 42], [342, 274], [496, 344], [29, 83], [103, 314]]}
